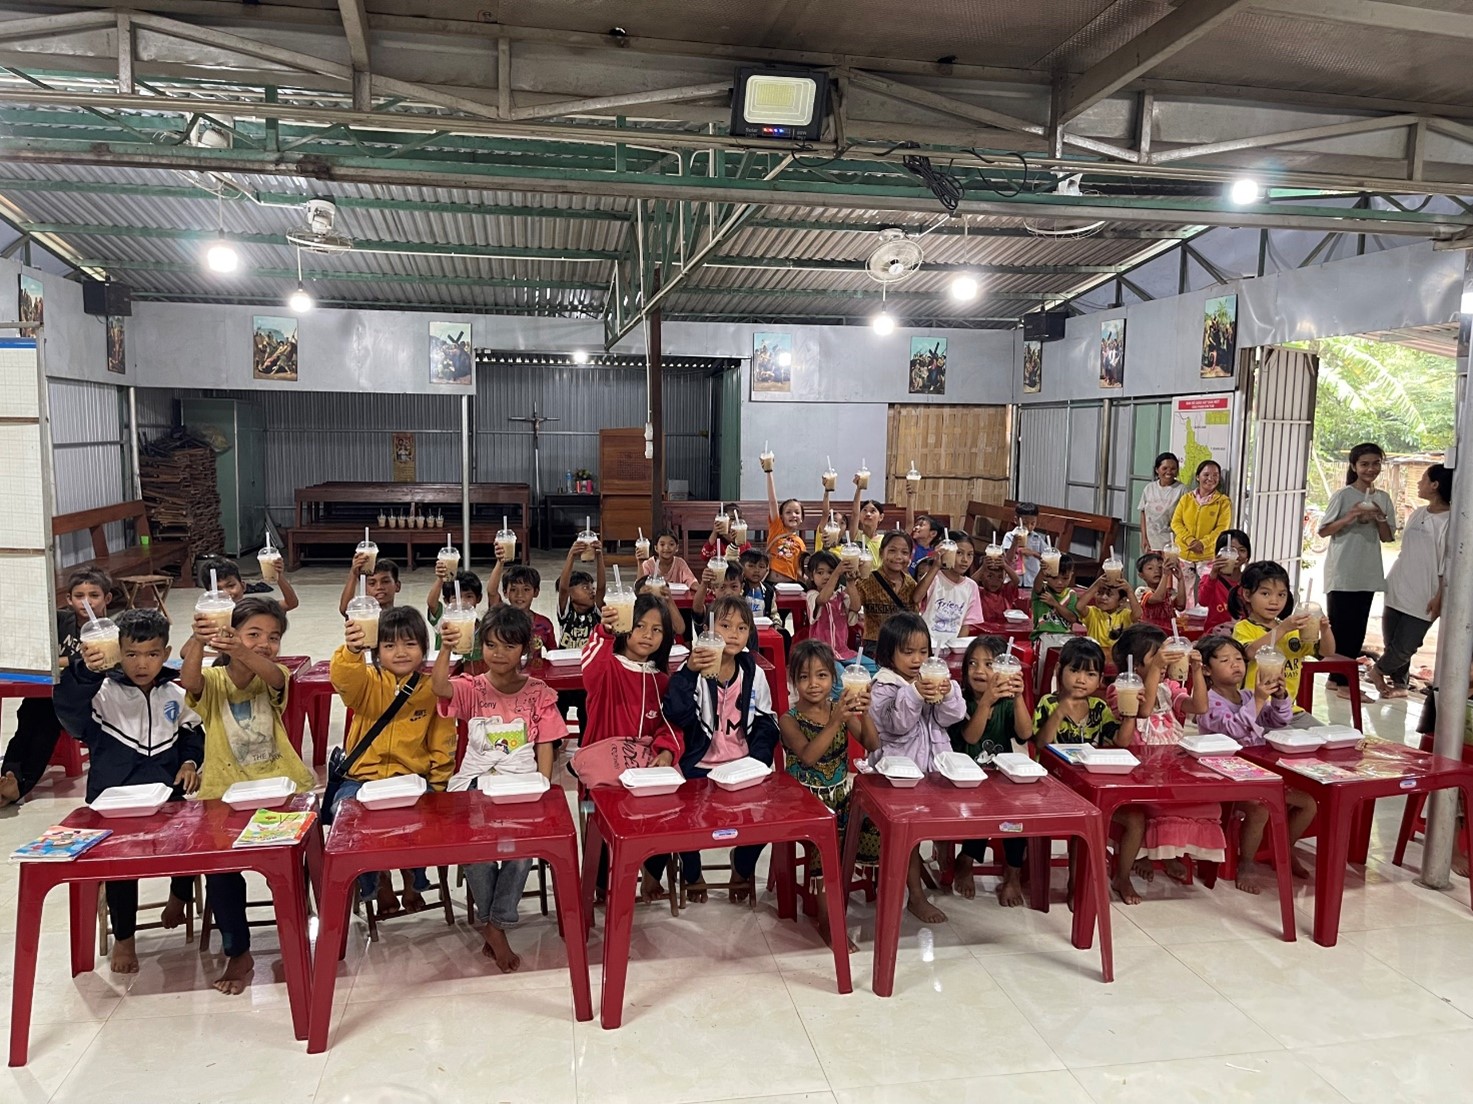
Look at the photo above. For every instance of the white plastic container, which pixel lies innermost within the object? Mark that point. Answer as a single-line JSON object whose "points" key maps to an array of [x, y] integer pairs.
{"points": [[960, 770], [1016, 767], [1293, 741], [392, 793], [513, 789], [740, 773], [679, 653], [900, 770], [564, 657], [1108, 760], [1210, 743], [1015, 615], [678, 588], [959, 643], [1338, 737], [263, 793], [651, 781], [762, 622], [131, 801], [788, 588]]}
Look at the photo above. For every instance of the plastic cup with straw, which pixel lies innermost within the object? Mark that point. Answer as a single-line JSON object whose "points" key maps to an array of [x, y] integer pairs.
{"points": [[717, 564], [215, 604], [506, 542], [1113, 568], [458, 626], [620, 599], [270, 560], [830, 477], [448, 558], [589, 539], [99, 637], [1009, 667], [369, 551], [1128, 689], [710, 645], [641, 546]]}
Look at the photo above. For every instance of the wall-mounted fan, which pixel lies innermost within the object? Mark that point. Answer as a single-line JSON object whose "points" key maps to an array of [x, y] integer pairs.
{"points": [[319, 234], [895, 258]]}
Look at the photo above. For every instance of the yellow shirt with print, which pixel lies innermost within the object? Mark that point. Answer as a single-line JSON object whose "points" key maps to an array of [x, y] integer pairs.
{"points": [[245, 739], [1293, 649], [1105, 628]]}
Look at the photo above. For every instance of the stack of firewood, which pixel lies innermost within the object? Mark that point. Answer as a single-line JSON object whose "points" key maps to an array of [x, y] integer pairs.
{"points": [[181, 495]]}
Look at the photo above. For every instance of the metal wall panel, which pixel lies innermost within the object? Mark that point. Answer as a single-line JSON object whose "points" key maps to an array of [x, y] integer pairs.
{"points": [[156, 414], [1083, 446], [1042, 460], [1282, 426], [87, 459]]}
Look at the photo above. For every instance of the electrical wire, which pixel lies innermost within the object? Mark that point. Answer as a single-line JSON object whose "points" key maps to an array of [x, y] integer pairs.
{"points": [[944, 185]]}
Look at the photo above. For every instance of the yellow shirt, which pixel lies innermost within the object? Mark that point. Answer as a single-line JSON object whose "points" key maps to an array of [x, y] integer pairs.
{"points": [[1201, 521], [1105, 628], [1245, 632], [244, 737], [417, 741]]}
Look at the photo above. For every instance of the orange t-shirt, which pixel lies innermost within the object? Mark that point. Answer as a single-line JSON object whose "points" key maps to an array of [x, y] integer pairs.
{"points": [[785, 549]]}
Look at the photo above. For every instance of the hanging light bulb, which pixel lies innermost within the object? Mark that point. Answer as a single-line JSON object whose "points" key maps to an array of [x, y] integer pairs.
{"points": [[300, 300], [882, 322], [580, 356], [1245, 190], [964, 287], [220, 255]]}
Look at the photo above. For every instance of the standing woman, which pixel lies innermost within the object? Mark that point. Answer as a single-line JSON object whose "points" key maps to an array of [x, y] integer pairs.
{"points": [[1158, 503], [1357, 521], [1415, 583], [1200, 519]]}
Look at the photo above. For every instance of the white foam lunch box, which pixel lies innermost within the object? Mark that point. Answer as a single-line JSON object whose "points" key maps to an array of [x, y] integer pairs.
{"points": [[513, 789], [131, 801], [1210, 743], [1108, 760], [651, 781], [788, 588], [1015, 615], [900, 770], [1338, 737], [960, 770], [263, 793], [1017, 767], [392, 793], [740, 773], [1293, 741], [564, 657]]}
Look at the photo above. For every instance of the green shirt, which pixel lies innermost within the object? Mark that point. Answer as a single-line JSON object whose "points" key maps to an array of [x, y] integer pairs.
{"points": [[1047, 620], [997, 737]]}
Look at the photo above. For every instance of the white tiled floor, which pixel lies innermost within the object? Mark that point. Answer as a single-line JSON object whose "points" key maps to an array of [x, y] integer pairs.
{"points": [[733, 1004]]}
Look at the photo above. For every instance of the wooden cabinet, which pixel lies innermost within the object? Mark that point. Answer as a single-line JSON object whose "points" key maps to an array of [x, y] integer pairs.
{"points": [[625, 477]]}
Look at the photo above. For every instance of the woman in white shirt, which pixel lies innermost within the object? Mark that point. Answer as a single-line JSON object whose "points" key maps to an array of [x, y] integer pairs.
{"points": [[1414, 586], [1158, 503]]}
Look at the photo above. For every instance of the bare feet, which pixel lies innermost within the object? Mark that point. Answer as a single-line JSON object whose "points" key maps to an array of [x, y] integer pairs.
{"points": [[9, 789], [1177, 871], [124, 957], [413, 900], [962, 879], [1010, 893], [386, 902], [650, 888], [1460, 863], [695, 893], [1383, 687], [496, 946], [1144, 869], [826, 935], [740, 890], [237, 974], [174, 912], [1297, 867], [924, 911], [1250, 878], [1126, 889]]}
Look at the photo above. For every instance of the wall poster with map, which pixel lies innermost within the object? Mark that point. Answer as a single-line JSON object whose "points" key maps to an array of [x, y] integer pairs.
{"points": [[1202, 429]]}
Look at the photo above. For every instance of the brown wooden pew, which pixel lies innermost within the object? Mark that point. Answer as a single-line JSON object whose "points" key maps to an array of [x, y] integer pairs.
{"points": [[146, 557], [1086, 537]]}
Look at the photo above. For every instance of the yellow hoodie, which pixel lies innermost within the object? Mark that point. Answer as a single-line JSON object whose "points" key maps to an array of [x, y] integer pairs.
{"points": [[417, 741], [1205, 522]]}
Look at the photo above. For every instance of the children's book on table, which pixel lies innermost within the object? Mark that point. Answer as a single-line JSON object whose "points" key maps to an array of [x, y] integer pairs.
{"points": [[60, 844], [268, 828]]}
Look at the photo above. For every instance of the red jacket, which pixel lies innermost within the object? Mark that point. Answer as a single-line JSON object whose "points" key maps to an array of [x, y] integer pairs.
{"points": [[624, 703], [1212, 592]]}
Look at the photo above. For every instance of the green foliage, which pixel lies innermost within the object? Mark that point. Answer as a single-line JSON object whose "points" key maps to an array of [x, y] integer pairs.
{"points": [[1400, 398]]}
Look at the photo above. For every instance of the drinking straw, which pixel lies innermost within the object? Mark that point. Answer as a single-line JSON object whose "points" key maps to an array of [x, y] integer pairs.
{"points": [[214, 582], [447, 541], [587, 523], [457, 590], [618, 583], [503, 521], [268, 538], [1130, 665], [640, 532], [718, 549], [365, 534], [830, 461], [362, 586]]}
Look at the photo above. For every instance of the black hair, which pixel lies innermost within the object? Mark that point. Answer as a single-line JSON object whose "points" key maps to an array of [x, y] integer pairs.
{"points": [[223, 568], [783, 505], [403, 623], [878, 505], [508, 624], [822, 559], [385, 566], [1136, 642], [1026, 509], [1142, 560], [1442, 478], [579, 578], [1221, 479], [102, 580], [1225, 539], [806, 652], [894, 535], [141, 626], [933, 523], [960, 535], [1254, 576], [1365, 448], [1212, 643], [254, 606], [470, 583], [730, 603], [662, 534], [895, 632], [1066, 565], [1162, 458], [519, 574], [647, 603], [753, 556], [1081, 654], [995, 645]]}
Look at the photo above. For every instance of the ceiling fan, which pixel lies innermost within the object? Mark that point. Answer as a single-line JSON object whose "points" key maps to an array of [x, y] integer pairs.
{"points": [[319, 234], [896, 257]]}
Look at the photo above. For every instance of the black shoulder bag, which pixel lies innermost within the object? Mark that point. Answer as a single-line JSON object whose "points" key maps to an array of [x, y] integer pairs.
{"points": [[339, 763]]}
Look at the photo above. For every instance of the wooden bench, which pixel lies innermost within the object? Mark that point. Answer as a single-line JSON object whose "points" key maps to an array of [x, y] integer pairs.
{"points": [[1086, 537], [146, 557], [337, 513]]}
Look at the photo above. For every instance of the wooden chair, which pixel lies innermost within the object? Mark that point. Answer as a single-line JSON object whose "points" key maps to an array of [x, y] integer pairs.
{"points": [[104, 925]]}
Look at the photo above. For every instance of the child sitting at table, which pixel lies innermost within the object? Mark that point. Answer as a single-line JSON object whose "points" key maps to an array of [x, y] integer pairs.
{"points": [[949, 601], [1162, 593], [886, 593], [382, 583], [36, 728], [579, 596], [1024, 551], [997, 589], [1220, 581], [1246, 716], [1055, 605], [760, 593], [1109, 609], [996, 723], [241, 704], [227, 575], [1171, 830], [912, 720], [1076, 714], [829, 616], [709, 589], [512, 725], [816, 732], [138, 729], [666, 564], [519, 585], [723, 707], [416, 740], [1264, 605], [442, 590]]}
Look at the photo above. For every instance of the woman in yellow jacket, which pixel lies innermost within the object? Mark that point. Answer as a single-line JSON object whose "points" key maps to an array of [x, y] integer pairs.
{"points": [[1200, 519]]}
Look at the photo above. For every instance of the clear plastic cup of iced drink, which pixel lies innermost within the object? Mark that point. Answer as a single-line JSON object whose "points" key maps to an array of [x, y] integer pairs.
{"points": [[364, 612], [1315, 617], [270, 560], [934, 680], [946, 552], [710, 645], [100, 648], [1177, 651], [217, 606], [369, 551], [1007, 669], [458, 626], [620, 598], [1128, 689]]}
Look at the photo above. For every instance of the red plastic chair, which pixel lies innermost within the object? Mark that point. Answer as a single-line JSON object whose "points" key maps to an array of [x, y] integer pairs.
{"points": [[1413, 823], [68, 754]]}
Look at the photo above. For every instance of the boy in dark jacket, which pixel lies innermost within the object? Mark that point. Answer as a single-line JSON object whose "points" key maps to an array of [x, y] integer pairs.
{"points": [[138, 730]]}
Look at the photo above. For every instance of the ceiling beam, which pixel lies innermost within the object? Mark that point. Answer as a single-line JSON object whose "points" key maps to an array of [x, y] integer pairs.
{"points": [[1385, 17], [327, 276], [1285, 138], [355, 29], [801, 264], [1170, 34], [632, 99]]}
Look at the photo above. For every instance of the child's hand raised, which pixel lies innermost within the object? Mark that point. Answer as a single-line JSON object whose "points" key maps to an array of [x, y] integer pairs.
{"points": [[353, 636], [227, 642], [443, 575], [204, 629], [608, 616], [1156, 660], [360, 563], [855, 703]]}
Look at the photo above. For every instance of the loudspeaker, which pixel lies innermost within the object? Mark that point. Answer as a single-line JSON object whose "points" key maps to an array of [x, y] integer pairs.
{"points": [[1044, 325], [105, 297]]}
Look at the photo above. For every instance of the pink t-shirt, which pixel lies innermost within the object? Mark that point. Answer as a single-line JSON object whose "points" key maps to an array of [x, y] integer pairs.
{"points": [[679, 573], [503, 729], [729, 741]]}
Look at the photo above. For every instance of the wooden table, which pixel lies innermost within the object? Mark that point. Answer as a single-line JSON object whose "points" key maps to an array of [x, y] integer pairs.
{"points": [[182, 838], [998, 809], [1346, 805], [441, 829]]}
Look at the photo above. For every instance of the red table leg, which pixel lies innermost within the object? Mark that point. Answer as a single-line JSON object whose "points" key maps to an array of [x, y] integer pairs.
{"points": [[1094, 883], [1040, 872], [30, 900], [828, 851], [895, 849], [593, 842], [564, 865], [1278, 827], [82, 906], [284, 876], [618, 921], [784, 873], [1332, 847], [336, 901], [1360, 833]]}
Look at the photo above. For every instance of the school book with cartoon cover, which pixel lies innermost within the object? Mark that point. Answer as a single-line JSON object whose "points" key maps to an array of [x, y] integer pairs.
{"points": [[1238, 770], [268, 828], [60, 844]]}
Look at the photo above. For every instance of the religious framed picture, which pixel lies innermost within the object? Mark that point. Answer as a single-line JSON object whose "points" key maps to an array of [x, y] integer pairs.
{"points": [[451, 358], [1220, 337], [116, 361], [928, 366], [274, 348], [772, 363], [32, 302], [1112, 353], [1032, 367]]}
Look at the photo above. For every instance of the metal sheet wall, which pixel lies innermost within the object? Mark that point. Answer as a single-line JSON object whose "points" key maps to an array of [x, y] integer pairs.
{"points": [[1042, 457], [87, 458], [1282, 425], [156, 412]]}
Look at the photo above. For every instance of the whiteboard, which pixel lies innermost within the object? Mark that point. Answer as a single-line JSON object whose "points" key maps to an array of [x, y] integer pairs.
{"points": [[28, 641]]}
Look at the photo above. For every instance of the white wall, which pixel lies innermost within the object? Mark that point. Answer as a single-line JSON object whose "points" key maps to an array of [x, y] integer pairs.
{"points": [[74, 344]]}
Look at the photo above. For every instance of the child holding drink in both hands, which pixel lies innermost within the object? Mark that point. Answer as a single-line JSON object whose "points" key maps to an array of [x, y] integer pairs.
{"points": [[1163, 591], [912, 710], [1246, 715], [1275, 638], [828, 609], [1110, 607]]}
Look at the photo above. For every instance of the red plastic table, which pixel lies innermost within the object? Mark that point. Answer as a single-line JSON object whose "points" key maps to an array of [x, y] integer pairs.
{"points": [[68, 752], [310, 705], [183, 838], [294, 717], [936, 810], [700, 815], [1381, 769], [439, 830], [1166, 775]]}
